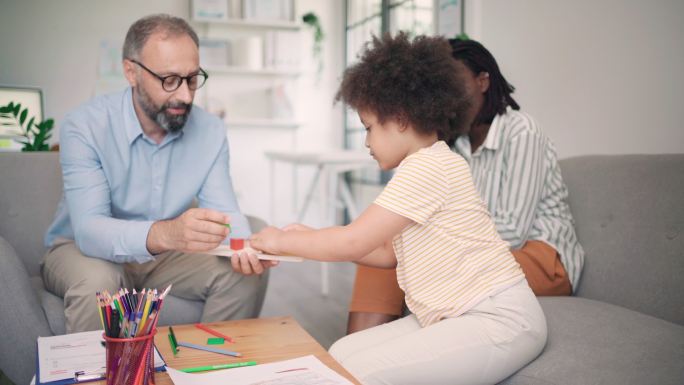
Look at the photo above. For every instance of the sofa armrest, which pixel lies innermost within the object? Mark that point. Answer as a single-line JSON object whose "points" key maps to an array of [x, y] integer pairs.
{"points": [[22, 319]]}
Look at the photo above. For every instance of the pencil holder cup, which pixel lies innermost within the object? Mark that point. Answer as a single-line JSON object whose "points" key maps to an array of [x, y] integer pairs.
{"points": [[130, 361]]}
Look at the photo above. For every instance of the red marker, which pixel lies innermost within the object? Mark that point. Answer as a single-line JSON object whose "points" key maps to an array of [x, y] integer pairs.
{"points": [[214, 332]]}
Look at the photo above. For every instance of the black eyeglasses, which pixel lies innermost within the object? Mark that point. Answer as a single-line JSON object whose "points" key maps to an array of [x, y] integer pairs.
{"points": [[173, 82]]}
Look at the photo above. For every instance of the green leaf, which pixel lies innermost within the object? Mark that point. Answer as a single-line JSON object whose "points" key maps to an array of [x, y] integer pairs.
{"points": [[34, 135], [22, 117], [310, 18], [38, 139], [30, 123]]}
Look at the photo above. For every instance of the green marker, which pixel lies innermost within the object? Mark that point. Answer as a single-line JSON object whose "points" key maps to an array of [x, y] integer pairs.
{"points": [[172, 341], [217, 367], [223, 224], [215, 341]]}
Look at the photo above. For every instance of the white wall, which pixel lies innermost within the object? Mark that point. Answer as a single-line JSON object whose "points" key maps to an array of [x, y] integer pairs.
{"points": [[54, 45], [601, 76]]}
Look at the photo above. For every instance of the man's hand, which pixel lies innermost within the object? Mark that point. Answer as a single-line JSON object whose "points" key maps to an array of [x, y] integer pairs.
{"points": [[195, 230], [248, 264]]}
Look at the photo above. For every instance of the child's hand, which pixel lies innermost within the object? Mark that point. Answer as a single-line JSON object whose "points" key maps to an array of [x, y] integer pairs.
{"points": [[296, 227], [266, 240]]}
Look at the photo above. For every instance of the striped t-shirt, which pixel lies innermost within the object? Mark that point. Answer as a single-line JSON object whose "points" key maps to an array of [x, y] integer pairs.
{"points": [[450, 257], [517, 174]]}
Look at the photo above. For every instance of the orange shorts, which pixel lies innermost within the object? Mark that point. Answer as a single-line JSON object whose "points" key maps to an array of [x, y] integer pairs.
{"points": [[377, 291]]}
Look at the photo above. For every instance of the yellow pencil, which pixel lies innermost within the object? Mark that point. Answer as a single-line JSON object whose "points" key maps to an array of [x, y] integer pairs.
{"points": [[146, 309], [99, 310]]}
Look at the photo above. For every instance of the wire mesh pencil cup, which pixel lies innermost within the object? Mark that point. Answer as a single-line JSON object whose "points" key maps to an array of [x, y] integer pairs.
{"points": [[130, 361]]}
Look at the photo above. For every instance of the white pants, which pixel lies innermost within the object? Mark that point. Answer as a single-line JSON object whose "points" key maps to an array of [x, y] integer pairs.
{"points": [[485, 345]]}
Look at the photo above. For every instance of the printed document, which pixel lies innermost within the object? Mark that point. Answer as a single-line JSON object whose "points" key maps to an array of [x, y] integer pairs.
{"points": [[307, 370], [60, 357]]}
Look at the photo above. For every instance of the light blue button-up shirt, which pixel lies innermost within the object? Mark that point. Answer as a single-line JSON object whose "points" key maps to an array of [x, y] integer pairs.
{"points": [[118, 181]]}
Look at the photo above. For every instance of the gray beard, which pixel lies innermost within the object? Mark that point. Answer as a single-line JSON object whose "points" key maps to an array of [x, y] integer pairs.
{"points": [[168, 122]]}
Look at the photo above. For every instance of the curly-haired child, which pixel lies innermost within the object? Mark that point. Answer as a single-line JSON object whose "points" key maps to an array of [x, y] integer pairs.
{"points": [[474, 318]]}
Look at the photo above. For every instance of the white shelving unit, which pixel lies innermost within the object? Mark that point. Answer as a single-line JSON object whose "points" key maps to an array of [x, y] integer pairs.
{"points": [[263, 123], [247, 23], [233, 70], [252, 95]]}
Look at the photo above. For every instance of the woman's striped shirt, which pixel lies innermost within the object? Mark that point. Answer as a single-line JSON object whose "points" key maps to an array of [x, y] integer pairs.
{"points": [[517, 174], [451, 256]]}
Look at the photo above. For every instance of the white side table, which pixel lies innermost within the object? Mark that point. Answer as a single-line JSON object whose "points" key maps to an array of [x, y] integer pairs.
{"points": [[329, 176]]}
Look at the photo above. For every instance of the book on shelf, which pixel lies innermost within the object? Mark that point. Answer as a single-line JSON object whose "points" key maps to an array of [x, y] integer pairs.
{"points": [[234, 9], [282, 50], [268, 10], [215, 53], [248, 52], [215, 10]]}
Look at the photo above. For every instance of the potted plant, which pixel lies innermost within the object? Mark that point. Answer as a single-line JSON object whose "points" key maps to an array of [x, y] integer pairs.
{"points": [[33, 135], [311, 20]]}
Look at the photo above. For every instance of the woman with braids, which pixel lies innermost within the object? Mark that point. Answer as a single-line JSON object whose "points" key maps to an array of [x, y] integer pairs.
{"points": [[515, 170], [474, 318]]}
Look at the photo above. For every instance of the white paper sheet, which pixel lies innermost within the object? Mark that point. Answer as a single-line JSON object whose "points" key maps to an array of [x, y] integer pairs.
{"points": [[307, 370], [59, 357], [226, 251]]}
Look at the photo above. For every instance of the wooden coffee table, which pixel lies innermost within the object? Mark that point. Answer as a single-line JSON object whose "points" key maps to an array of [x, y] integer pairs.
{"points": [[262, 340]]}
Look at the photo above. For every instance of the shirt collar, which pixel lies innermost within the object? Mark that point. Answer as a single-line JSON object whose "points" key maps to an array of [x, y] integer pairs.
{"points": [[494, 134], [492, 141], [132, 124]]}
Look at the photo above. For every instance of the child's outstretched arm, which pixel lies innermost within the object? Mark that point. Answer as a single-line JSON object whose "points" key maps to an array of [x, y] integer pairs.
{"points": [[362, 241]]}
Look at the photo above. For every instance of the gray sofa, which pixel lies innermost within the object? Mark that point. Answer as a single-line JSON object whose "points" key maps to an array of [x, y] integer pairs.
{"points": [[30, 188], [624, 326], [626, 323]]}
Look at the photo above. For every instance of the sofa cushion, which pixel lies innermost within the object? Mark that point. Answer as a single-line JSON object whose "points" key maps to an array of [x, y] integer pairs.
{"points": [[592, 342], [30, 190], [630, 220], [53, 306], [21, 317]]}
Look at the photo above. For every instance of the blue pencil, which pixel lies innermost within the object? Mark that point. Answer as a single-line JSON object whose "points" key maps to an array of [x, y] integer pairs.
{"points": [[208, 349]]}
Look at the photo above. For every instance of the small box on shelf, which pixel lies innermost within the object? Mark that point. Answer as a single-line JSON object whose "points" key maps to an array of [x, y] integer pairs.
{"points": [[215, 53], [210, 10], [268, 10]]}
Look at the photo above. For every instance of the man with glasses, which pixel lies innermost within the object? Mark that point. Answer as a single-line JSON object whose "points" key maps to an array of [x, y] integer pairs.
{"points": [[133, 162]]}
